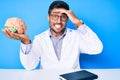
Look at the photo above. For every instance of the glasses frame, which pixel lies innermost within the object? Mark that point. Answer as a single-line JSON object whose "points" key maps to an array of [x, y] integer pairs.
{"points": [[55, 17]]}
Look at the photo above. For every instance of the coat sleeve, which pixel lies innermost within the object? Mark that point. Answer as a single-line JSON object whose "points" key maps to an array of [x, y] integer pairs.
{"points": [[88, 40], [29, 55]]}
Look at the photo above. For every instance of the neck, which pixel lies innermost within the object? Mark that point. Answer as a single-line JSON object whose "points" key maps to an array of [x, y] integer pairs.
{"points": [[57, 34]]}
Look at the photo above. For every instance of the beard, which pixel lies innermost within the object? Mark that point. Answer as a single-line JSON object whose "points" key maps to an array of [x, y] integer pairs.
{"points": [[58, 28], [57, 31]]}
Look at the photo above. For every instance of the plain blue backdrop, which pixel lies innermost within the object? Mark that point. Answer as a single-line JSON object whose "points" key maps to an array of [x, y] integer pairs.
{"points": [[103, 16]]}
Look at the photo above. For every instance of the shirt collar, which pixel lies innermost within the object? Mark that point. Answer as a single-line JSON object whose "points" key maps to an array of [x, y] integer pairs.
{"points": [[50, 34]]}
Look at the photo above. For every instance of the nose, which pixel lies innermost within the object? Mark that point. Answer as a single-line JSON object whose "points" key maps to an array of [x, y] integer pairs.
{"points": [[59, 20]]}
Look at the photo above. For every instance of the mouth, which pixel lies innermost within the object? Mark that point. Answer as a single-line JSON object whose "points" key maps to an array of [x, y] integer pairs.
{"points": [[58, 25]]}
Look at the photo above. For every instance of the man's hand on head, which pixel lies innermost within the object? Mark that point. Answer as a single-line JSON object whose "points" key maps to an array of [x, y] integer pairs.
{"points": [[72, 17]]}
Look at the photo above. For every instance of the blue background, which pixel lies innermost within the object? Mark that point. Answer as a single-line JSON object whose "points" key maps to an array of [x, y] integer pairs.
{"points": [[103, 16]]}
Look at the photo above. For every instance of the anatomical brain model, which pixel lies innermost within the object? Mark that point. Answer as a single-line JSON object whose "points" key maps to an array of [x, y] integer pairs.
{"points": [[16, 25]]}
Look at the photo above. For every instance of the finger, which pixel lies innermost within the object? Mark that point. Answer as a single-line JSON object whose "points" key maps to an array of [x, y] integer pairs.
{"points": [[10, 34], [69, 13], [6, 33], [16, 36], [63, 10]]}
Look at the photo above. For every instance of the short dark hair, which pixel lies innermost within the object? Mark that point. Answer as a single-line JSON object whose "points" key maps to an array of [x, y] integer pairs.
{"points": [[58, 4]]}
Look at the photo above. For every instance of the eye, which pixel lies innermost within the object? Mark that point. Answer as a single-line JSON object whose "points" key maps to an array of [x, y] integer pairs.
{"points": [[55, 16], [63, 17]]}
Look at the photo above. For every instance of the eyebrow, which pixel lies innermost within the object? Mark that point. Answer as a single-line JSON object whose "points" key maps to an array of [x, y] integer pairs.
{"points": [[55, 12]]}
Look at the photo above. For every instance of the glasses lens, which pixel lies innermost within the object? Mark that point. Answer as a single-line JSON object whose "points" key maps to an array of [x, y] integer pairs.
{"points": [[56, 17]]}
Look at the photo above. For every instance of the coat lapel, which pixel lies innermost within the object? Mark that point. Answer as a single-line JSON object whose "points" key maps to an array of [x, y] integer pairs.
{"points": [[65, 44], [50, 47]]}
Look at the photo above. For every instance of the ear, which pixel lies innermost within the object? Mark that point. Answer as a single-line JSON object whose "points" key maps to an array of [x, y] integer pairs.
{"points": [[48, 17]]}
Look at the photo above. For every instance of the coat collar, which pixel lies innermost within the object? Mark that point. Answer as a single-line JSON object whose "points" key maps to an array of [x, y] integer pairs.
{"points": [[65, 43]]}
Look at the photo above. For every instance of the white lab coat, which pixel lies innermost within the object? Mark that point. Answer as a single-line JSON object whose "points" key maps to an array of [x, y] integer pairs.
{"points": [[74, 43]]}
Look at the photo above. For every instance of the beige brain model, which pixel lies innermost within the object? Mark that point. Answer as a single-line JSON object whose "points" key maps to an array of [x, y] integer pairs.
{"points": [[15, 24]]}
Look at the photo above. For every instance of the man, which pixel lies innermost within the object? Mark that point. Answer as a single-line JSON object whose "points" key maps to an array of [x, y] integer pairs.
{"points": [[58, 47]]}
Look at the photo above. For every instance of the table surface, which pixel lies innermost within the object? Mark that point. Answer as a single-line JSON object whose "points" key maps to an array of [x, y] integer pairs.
{"points": [[21, 74]]}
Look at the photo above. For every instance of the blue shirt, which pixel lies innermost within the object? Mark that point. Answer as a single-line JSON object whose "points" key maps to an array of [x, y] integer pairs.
{"points": [[57, 43]]}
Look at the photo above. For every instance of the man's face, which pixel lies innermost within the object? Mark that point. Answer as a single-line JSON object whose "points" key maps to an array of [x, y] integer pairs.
{"points": [[57, 20]]}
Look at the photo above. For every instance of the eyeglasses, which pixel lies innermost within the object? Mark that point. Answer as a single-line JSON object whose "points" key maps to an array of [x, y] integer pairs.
{"points": [[56, 17]]}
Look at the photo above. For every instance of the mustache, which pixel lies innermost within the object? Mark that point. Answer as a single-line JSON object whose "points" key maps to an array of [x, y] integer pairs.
{"points": [[58, 24]]}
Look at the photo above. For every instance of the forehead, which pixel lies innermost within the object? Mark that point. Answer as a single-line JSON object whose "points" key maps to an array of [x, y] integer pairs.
{"points": [[57, 10]]}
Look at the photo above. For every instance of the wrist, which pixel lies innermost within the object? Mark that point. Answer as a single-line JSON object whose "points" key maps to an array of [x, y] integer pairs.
{"points": [[26, 42], [79, 23]]}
